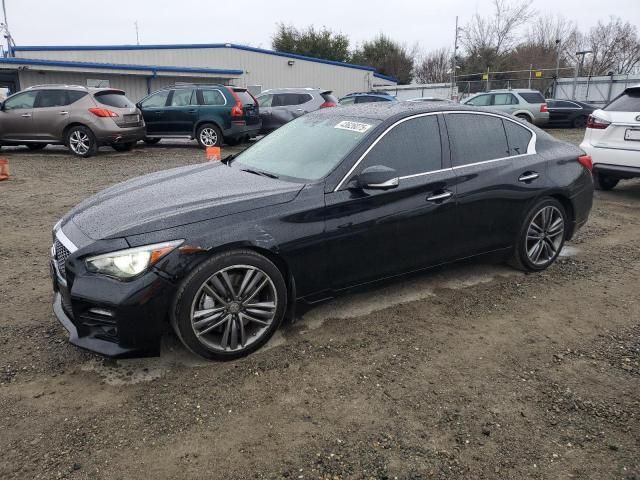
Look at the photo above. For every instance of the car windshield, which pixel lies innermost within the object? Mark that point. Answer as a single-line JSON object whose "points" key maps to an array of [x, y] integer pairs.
{"points": [[307, 148]]}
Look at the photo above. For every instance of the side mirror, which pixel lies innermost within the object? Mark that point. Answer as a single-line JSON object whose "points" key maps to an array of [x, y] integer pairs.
{"points": [[377, 177]]}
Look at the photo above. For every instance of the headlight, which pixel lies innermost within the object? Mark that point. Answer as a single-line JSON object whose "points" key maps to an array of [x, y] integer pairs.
{"points": [[131, 262]]}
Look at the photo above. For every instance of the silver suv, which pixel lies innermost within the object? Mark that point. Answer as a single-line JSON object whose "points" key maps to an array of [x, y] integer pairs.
{"points": [[79, 117], [526, 104], [281, 105]]}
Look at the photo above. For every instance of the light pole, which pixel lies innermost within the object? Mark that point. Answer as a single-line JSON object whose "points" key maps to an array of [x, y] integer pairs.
{"points": [[555, 84], [5, 27], [580, 54], [454, 82]]}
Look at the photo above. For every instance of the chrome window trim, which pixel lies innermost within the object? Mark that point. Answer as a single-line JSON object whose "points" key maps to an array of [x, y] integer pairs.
{"points": [[64, 240], [577, 107], [531, 148]]}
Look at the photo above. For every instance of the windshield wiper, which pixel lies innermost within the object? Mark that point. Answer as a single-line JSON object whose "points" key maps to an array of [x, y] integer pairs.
{"points": [[259, 172]]}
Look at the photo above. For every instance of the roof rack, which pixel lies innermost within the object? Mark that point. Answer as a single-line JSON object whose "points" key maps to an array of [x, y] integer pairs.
{"points": [[56, 85]]}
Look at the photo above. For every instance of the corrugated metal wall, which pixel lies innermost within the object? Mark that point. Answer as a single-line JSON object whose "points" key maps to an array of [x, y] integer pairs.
{"points": [[270, 71], [135, 86]]}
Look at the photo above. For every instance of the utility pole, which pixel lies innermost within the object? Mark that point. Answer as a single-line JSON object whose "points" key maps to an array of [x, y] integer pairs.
{"points": [[580, 54], [137, 35], [555, 79], [454, 82], [7, 34]]}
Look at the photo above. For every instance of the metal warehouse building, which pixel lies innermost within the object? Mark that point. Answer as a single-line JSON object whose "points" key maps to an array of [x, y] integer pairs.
{"points": [[141, 69]]}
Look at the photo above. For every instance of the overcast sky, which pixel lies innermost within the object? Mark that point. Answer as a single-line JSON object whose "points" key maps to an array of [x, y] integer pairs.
{"points": [[429, 23]]}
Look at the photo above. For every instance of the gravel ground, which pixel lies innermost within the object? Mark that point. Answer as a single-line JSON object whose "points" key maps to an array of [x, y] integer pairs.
{"points": [[474, 371]]}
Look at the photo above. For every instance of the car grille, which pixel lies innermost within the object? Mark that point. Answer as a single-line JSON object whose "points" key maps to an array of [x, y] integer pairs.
{"points": [[62, 253]]}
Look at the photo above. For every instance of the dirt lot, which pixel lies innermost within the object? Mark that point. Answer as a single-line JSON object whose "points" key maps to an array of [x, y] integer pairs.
{"points": [[470, 372]]}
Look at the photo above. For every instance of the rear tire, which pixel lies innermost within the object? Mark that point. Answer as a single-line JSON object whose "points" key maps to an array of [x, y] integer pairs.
{"points": [[36, 146], [580, 122], [541, 236], [81, 141], [151, 141], [123, 147], [209, 135], [524, 117], [604, 182], [235, 300]]}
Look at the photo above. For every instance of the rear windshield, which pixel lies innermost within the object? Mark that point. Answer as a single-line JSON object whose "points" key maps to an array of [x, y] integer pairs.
{"points": [[245, 97], [114, 99], [532, 97], [627, 102]]}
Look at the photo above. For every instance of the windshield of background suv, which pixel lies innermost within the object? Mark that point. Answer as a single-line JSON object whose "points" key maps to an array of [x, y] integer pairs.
{"points": [[307, 148]]}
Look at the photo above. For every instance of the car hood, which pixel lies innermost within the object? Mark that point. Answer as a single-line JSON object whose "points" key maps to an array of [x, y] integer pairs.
{"points": [[176, 197]]}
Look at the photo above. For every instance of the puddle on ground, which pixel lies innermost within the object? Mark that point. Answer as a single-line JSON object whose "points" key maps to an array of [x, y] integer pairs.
{"points": [[174, 356]]}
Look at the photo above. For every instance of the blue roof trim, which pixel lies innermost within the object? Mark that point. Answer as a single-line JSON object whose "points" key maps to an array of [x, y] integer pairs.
{"points": [[35, 48], [117, 66], [385, 77]]}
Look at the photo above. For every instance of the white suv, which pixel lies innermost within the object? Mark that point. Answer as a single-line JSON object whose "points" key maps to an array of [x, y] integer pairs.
{"points": [[612, 139]]}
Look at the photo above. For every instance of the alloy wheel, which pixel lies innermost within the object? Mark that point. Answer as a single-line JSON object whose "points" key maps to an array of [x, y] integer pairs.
{"points": [[545, 235], [208, 136], [234, 308], [79, 142]]}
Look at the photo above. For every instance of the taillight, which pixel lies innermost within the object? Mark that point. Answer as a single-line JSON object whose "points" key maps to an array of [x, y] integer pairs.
{"points": [[103, 112], [328, 105], [236, 110], [586, 162], [543, 108], [597, 123]]}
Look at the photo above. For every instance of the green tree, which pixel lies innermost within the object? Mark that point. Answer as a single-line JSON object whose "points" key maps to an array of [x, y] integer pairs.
{"points": [[388, 57], [321, 43]]}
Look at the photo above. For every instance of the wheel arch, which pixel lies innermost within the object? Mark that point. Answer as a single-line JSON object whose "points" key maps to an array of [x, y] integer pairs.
{"points": [[68, 127], [526, 113], [569, 210], [202, 122]]}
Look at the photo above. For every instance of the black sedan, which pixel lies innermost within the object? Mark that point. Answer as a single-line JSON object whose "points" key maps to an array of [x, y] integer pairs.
{"points": [[222, 252], [568, 113]]}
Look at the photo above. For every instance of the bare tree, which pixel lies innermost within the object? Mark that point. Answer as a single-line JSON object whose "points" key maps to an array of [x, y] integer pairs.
{"points": [[615, 48], [434, 67]]}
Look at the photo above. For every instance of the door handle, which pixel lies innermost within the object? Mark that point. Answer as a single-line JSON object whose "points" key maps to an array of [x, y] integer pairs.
{"points": [[26, 115], [438, 197], [528, 177], [64, 113]]}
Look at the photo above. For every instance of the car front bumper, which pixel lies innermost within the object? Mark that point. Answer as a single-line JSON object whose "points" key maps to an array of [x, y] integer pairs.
{"points": [[112, 318]]}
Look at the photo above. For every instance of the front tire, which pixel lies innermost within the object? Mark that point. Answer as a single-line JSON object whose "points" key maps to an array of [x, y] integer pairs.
{"points": [[209, 135], [123, 147], [36, 146], [81, 141], [604, 182], [541, 236], [230, 305]]}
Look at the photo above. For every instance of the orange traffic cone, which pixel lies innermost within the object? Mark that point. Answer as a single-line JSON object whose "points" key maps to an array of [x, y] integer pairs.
{"points": [[213, 154], [4, 169]]}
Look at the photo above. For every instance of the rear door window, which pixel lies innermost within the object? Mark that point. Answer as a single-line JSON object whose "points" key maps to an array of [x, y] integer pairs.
{"points": [[476, 138], [21, 101], [182, 98], [627, 102], [114, 99], [504, 99], [51, 98], [518, 138], [410, 147], [156, 100], [532, 97], [212, 97]]}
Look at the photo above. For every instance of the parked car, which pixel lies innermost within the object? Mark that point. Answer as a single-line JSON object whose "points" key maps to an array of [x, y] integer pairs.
{"points": [[281, 105], [528, 105], [337, 198], [212, 114], [430, 99], [367, 97], [612, 138], [568, 113], [79, 117]]}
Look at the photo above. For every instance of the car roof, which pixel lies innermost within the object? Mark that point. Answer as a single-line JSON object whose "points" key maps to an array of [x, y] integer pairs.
{"points": [[293, 89], [81, 88], [369, 94]]}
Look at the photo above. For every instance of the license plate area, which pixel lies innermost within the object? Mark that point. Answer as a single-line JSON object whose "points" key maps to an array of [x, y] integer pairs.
{"points": [[135, 118], [632, 134]]}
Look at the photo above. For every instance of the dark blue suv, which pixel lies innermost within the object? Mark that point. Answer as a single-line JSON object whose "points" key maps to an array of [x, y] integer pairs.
{"points": [[366, 97], [212, 114]]}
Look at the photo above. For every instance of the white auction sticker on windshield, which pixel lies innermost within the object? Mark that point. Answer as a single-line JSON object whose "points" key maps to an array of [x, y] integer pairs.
{"points": [[353, 126]]}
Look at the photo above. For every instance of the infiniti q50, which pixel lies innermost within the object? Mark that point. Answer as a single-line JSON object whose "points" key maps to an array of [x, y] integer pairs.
{"points": [[222, 252]]}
